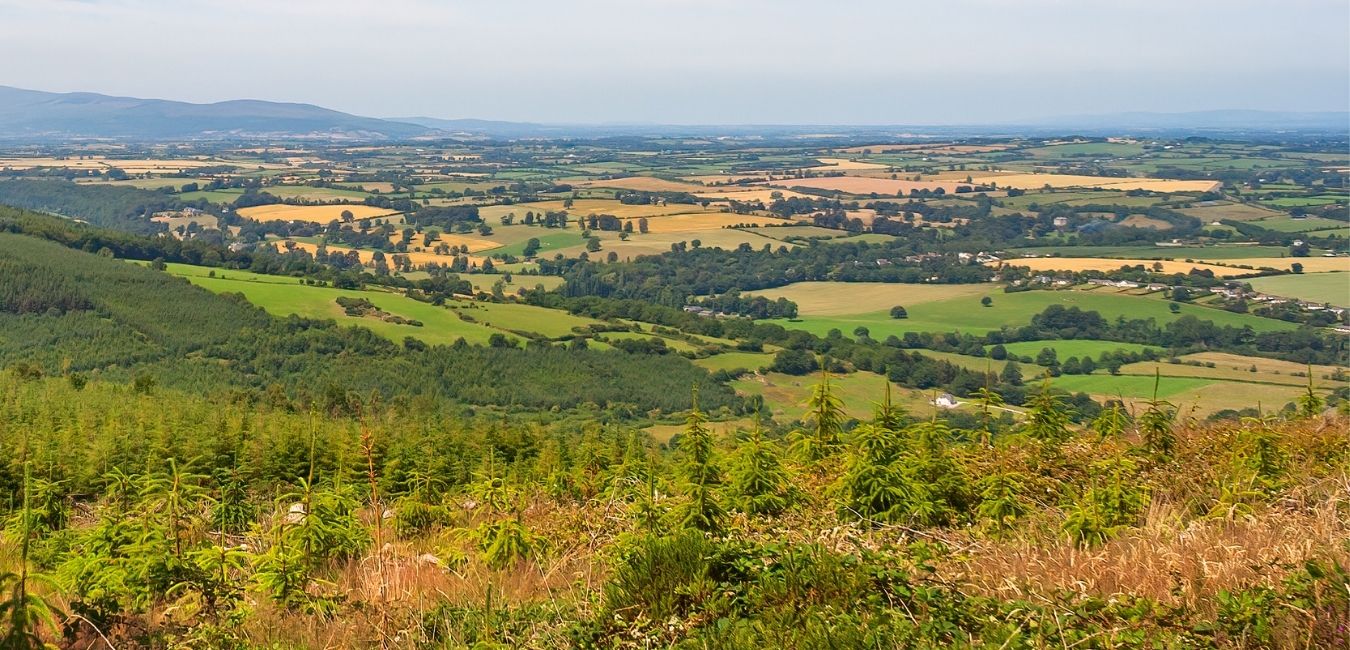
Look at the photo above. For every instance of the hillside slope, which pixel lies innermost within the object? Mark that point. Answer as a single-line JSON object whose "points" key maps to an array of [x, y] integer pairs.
{"points": [[66, 310]]}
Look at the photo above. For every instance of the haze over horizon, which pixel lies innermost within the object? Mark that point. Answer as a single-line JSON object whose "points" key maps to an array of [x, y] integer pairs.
{"points": [[694, 61]]}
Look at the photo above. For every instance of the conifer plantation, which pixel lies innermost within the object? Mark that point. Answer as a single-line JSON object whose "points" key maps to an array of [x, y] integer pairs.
{"points": [[140, 516]]}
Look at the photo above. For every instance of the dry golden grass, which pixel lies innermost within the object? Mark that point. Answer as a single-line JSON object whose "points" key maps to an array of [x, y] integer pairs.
{"points": [[1181, 551], [1184, 550], [1166, 561], [1100, 264], [312, 213]]}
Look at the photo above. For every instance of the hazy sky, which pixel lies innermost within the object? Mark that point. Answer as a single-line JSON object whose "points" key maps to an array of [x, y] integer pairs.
{"points": [[694, 61]]}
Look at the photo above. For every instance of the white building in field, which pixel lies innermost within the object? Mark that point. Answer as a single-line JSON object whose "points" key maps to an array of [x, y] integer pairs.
{"points": [[946, 401]]}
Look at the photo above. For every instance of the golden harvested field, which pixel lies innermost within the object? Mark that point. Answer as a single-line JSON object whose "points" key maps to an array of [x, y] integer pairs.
{"points": [[1310, 264], [311, 213], [1037, 181], [417, 259], [864, 185], [844, 164], [475, 243], [749, 194], [582, 207], [709, 221], [642, 184], [1231, 367], [844, 298], [1268, 366], [960, 176], [205, 221], [1101, 264]]}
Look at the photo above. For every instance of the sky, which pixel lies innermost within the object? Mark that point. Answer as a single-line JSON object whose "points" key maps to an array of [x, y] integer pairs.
{"points": [[694, 61]]}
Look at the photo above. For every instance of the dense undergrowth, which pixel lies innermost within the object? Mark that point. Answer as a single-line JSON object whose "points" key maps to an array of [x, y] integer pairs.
{"points": [[151, 518]]}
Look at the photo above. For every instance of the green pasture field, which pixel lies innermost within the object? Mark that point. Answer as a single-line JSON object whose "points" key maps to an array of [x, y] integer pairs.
{"points": [[836, 298], [1135, 386], [751, 361], [1303, 201], [1104, 197], [458, 186], [1291, 224], [550, 241], [1085, 149], [484, 281], [315, 193], [520, 318], [1129, 201], [173, 183], [1221, 210], [678, 345], [860, 392], [965, 314], [1065, 348], [213, 196], [1333, 288], [810, 232], [281, 297]]}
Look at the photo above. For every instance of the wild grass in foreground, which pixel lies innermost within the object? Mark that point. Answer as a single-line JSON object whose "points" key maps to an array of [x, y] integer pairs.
{"points": [[135, 519]]}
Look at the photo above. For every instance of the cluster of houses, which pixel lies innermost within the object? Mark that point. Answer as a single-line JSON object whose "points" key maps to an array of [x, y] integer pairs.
{"points": [[1231, 291], [1127, 284], [965, 258], [185, 212], [698, 310]]}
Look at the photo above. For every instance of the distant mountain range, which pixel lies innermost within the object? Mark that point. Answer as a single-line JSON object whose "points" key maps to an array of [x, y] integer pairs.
{"points": [[37, 115], [42, 115]]}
